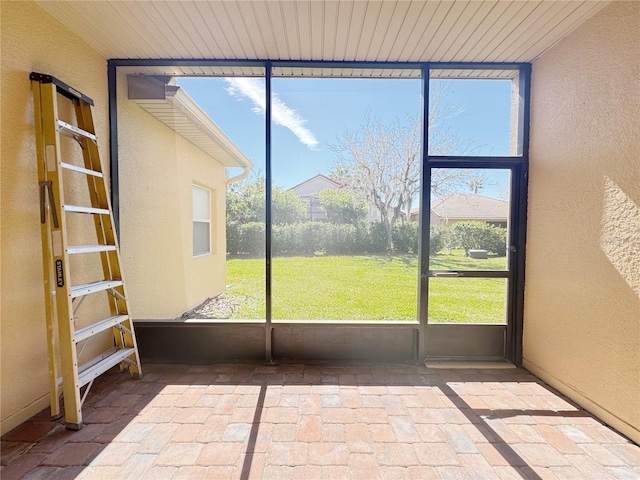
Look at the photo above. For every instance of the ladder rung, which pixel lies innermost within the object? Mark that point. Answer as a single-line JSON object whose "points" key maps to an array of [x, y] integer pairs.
{"points": [[87, 288], [100, 364], [86, 332], [79, 209], [90, 248], [73, 131], [76, 168]]}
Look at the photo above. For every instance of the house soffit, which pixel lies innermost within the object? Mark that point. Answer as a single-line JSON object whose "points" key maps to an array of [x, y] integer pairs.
{"points": [[169, 104], [323, 30]]}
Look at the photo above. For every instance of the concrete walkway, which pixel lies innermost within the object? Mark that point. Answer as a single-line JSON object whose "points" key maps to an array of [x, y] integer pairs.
{"points": [[309, 422]]}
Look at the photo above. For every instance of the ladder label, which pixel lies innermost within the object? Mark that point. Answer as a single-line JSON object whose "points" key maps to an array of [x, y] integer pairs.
{"points": [[59, 273]]}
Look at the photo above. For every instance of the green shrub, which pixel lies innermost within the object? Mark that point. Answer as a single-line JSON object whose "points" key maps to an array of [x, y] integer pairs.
{"points": [[371, 237], [342, 206], [251, 239], [405, 237], [479, 235], [437, 238], [339, 239], [309, 238], [233, 238]]}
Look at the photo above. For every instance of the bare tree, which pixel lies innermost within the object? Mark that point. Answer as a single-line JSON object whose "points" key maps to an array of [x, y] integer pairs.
{"points": [[382, 161]]}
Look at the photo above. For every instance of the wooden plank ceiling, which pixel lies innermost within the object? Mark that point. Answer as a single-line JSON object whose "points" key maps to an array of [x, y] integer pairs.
{"points": [[335, 30]]}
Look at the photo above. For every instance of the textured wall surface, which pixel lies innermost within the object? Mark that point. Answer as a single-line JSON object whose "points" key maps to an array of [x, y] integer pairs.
{"points": [[582, 296], [31, 41], [157, 169]]}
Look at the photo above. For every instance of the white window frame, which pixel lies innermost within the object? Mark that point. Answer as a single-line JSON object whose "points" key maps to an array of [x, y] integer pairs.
{"points": [[197, 219]]}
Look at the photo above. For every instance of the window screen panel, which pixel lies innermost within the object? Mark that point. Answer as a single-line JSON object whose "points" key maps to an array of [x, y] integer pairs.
{"points": [[201, 238]]}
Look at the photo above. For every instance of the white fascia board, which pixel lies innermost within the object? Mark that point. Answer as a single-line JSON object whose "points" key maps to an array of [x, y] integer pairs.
{"points": [[190, 109], [173, 107]]}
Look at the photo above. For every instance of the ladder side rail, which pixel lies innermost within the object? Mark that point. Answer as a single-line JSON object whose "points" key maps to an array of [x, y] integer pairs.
{"points": [[47, 263], [104, 224], [99, 199], [94, 184], [66, 320]]}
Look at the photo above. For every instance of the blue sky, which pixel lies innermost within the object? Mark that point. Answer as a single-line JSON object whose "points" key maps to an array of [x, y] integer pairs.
{"points": [[311, 113]]}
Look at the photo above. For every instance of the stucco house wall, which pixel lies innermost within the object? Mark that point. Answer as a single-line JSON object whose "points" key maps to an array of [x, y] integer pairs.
{"points": [[32, 41], [582, 295], [158, 169]]}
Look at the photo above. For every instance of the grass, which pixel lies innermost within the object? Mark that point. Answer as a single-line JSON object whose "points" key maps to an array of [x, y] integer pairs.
{"points": [[366, 288]]}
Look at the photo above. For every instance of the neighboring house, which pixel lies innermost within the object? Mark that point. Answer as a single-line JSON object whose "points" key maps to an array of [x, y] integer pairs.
{"points": [[465, 207], [307, 191], [172, 162]]}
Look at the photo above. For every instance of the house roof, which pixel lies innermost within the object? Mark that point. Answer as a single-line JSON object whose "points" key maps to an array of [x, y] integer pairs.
{"points": [[331, 30], [171, 105], [467, 206], [320, 179]]}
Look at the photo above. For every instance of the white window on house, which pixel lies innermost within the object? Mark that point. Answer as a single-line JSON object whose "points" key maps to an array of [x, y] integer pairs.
{"points": [[201, 221]]}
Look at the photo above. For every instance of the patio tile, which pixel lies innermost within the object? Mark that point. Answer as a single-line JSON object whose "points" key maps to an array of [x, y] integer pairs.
{"points": [[590, 468], [179, 454], [341, 472], [136, 467], [158, 438], [340, 415], [219, 454], [114, 454], [328, 454], [333, 432], [355, 422], [628, 452], [435, 454], [72, 454], [285, 432], [29, 432], [9, 451], [288, 454], [307, 472], [310, 428], [395, 454], [404, 429], [21, 466], [359, 438], [541, 455]]}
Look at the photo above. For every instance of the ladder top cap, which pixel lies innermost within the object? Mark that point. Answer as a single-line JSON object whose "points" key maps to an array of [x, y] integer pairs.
{"points": [[62, 87]]}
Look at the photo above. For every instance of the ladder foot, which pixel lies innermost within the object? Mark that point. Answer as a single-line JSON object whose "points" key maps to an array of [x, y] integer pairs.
{"points": [[73, 426], [56, 417]]}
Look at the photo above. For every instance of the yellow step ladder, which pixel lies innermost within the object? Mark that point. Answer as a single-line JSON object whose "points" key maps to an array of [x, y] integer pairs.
{"points": [[68, 333]]}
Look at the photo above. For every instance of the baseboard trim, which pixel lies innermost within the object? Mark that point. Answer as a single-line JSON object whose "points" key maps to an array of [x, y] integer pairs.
{"points": [[609, 418], [469, 365], [24, 414]]}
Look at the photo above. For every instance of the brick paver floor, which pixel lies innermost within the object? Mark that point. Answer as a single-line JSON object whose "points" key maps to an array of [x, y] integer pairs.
{"points": [[312, 422]]}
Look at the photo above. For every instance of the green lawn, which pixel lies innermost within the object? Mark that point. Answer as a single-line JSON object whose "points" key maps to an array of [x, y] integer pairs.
{"points": [[365, 288]]}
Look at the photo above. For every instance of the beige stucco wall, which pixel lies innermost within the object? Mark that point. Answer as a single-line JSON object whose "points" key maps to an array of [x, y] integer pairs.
{"points": [[582, 296], [31, 41], [157, 170]]}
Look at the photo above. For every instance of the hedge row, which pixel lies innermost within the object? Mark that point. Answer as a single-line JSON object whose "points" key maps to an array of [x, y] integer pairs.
{"points": [[340, 239], [307, 238]]}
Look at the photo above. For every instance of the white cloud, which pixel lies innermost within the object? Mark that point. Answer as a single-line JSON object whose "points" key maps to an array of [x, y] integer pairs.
{"points": [[254, 90]]}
